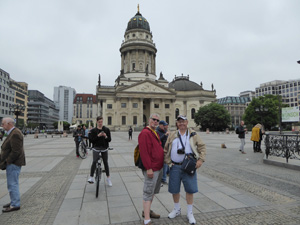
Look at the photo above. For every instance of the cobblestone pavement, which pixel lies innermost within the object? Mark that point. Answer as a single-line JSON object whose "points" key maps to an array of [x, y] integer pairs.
{"points": [[233, 188]]}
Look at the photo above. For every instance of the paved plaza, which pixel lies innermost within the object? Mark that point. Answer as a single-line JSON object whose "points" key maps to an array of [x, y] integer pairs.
{"points": [[233, 188]]}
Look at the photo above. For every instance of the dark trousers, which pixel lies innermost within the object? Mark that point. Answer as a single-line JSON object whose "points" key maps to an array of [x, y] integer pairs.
{"points": [[256, 146], [130, 136], [77, 147], [105, 162]]}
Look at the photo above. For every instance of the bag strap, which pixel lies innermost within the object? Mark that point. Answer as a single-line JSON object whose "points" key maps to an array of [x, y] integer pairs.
{"points": [[153, 132]]}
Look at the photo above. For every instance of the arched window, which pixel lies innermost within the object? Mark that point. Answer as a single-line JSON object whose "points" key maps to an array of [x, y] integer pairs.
{"points": [[193, 111], [176, 113]]}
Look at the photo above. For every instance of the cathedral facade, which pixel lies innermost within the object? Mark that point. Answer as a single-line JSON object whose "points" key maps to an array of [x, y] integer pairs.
{"points": [[138, 91]]}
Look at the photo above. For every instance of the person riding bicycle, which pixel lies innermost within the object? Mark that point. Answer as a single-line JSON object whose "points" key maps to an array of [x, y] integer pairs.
{"points": [[100, 138]]}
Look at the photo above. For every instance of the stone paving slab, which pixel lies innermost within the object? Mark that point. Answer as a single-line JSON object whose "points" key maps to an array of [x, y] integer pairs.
{"points": [[54, 188]]}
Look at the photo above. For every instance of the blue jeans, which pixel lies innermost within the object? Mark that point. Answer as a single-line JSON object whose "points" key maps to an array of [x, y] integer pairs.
{"points": [[177, 175], [166, 169], [12, 176]]}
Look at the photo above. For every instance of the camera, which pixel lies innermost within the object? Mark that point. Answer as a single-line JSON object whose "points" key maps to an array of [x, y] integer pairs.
{"points": [[180, 151]]}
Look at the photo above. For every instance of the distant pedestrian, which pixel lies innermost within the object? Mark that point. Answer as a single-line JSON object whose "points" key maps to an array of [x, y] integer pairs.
{"points": [[241, 131], [130, 133], [12, 158], [78, 134]]}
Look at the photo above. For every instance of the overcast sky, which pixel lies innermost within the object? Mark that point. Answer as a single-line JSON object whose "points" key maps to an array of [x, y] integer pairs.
{"points": [[234, 44]]}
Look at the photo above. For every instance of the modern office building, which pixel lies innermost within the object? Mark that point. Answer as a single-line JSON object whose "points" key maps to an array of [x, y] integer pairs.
{"points": [[138, 91], [85, 109], [236, 107], [288, 90], [247, 94], [63, 98], [7, 95], [21, 99], [42, 112]]}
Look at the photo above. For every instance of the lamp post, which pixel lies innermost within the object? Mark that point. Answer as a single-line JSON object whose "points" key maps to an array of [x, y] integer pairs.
{"points": [[261, 110], [17, 109]]}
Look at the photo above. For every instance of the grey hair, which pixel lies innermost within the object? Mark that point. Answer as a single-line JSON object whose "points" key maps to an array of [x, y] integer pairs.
{"points": [[9, 120], [153, 114]]}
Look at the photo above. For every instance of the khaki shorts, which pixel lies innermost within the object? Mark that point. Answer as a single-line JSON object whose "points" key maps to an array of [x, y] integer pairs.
{"points": [[151, 185]]}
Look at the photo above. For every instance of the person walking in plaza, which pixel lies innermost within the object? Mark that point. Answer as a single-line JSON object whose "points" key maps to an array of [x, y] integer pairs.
{"points": [[78, 134], [100, 138], [163, 135], [241, 131], [180, 143], [130, 133], [85, 134], [152, 156], [12, 158]]}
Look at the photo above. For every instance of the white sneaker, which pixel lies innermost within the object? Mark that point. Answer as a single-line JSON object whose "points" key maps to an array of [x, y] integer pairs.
{"points": [[91, 180], [174, 213], [109, 183], [191, 218]]}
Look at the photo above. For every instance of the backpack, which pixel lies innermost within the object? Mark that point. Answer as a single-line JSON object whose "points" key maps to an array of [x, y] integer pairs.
{"points": [[237, 131], [137, 158], [136, 155]]}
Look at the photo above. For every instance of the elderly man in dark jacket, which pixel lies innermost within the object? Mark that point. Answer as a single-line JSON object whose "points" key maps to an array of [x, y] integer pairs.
{"points": [[12, 158]]}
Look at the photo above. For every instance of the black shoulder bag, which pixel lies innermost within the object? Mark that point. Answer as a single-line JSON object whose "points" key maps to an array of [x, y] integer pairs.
{"points": [[189, 162]]}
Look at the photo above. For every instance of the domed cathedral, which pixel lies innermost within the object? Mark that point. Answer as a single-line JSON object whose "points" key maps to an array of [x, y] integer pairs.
{"points": [[138, 91]]}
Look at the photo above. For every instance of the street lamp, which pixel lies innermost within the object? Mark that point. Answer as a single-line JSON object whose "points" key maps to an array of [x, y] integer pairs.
{"points": [[261, 111], [17, 109]]}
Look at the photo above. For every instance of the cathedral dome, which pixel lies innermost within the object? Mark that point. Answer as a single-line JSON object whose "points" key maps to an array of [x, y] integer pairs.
{"points": [[138, 22], [183, 83]]}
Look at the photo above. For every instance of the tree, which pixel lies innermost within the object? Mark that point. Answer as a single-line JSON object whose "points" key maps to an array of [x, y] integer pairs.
{"points": [[264, 110], [65, 124], [212, 116]]}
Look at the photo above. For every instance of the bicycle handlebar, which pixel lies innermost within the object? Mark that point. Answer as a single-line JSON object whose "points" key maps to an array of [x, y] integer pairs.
{"points": [[103, 150]]}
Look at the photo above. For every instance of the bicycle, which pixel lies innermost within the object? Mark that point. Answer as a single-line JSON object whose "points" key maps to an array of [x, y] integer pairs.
{"points": [[82, 149], [99, 169]]}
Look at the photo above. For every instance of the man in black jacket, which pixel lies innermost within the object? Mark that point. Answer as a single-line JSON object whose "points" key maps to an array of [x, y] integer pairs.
{"points": [[78, 134], [100, 138], [163, 135], [242, 132]]}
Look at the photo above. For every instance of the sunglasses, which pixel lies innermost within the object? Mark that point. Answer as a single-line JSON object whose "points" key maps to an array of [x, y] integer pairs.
{"points": [[155, 120]]}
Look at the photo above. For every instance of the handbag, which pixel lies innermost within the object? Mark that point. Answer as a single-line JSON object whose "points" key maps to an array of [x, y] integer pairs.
{"points": [[189, 164]]}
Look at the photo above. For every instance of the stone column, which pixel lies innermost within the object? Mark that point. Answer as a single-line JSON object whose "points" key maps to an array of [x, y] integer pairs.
{"points": [[122, 61], [162, 110], [140, 119], [104, 107], [129, 119], [117, 109], [145, 61], [136, 60]]}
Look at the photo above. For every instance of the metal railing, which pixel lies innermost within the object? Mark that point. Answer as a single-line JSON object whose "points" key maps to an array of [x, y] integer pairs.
{"points": [[283, 145]]}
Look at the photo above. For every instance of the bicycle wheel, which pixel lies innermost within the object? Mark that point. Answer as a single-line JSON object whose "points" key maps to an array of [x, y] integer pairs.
{"points": [[98, 178], [82, 150]]}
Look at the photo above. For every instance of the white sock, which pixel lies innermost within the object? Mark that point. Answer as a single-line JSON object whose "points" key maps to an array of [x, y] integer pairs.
{"points": [[177, 206], [146, 221], [189, 209]]}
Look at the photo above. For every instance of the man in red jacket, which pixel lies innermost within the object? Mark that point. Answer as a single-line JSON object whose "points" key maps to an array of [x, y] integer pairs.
{"points": [[152, 156]]}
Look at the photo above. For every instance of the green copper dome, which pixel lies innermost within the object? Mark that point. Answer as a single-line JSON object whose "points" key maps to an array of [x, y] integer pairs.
{"points": [[138, 22]]}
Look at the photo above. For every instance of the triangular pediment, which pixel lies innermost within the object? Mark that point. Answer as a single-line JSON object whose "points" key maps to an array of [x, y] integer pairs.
{"points": [[146, 87]]}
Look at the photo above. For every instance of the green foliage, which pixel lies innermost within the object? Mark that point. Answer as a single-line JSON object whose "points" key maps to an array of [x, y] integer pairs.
{"points": [[212, 116], [264, 110], [32, 125], [65, 124]]}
